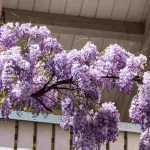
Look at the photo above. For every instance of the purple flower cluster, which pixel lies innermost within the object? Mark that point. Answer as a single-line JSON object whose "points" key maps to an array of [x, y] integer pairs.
{"points": [[114, 59], [36, 73], [62, 66], [106, 122], [67, 108], [109, 64], [134, 66], [88, 53], [140, 106], [140, 111], [90, 129]]}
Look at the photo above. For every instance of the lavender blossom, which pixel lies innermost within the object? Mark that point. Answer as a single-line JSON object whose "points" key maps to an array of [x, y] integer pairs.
{"points": [[134, 66], [106, 123], [140, 106]]}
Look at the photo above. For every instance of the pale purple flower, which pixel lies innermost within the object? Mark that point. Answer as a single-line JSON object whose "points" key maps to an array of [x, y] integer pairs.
{"points": [[35, 51], [134, 66], [88, 53], [106, 123], [140, 106]]}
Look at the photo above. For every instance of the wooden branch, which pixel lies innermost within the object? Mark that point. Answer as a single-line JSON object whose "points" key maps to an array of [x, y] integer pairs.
{"points": [[45, 89], [136, 78]]}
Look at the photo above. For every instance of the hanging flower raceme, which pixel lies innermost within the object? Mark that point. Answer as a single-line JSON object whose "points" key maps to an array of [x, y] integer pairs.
{"points": [[106, 123], [92, 128], [134, 66], [140, 106]]}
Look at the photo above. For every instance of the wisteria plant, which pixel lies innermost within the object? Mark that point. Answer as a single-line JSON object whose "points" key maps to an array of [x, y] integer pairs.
{"points": [[38, 75]]}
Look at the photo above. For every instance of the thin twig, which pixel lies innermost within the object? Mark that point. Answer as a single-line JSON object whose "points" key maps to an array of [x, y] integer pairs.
{"points": [[136, 78], [65, 88]]}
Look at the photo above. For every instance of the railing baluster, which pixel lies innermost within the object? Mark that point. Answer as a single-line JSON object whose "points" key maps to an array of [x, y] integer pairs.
{"points": [[125, 140], [71, 138], [53, 137], [16, 135], [34, 136]]}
